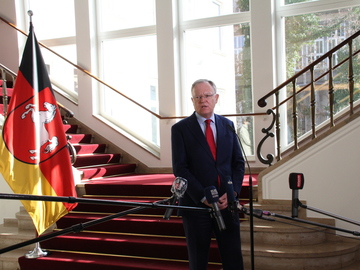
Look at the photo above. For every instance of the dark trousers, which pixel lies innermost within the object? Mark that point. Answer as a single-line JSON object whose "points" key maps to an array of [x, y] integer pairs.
{"points": [[198, 230]]}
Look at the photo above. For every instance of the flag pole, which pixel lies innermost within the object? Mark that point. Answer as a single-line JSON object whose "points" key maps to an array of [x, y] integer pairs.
{"points": [[37, 252]]}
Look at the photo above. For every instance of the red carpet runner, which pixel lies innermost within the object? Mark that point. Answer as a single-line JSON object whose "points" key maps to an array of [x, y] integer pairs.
{"points": [[139, 241]]}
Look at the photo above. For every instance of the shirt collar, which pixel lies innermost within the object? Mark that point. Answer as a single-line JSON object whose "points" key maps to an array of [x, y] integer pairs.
{"points": [[202, 119]]}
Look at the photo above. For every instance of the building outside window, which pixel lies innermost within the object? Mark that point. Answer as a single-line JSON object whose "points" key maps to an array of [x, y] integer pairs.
{"points": [[307, 37]]}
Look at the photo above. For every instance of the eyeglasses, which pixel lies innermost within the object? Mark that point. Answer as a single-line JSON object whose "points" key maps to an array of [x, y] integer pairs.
{"points": [[204, 96]]}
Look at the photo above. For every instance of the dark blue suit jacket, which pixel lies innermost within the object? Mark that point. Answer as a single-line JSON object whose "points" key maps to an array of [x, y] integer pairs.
{"points": [[192, 158]]}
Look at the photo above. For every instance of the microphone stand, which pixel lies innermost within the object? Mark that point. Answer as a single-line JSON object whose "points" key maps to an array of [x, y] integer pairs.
{"points": [[327, 213], [81, 226], [251, 203], [260, 213]]}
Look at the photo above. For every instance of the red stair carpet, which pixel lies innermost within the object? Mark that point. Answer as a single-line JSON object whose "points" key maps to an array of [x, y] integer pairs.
{"points": [[143, 240]]}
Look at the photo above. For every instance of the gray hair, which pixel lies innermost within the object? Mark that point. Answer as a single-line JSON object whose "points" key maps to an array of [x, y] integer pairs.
{"points": [[203, 81]]}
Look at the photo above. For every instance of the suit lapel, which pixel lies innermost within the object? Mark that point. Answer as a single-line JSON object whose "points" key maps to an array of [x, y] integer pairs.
{"points": [[221, 130]]}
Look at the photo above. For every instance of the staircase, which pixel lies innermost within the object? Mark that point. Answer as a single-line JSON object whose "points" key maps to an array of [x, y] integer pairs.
{"points": [[286, 244], [13, 231], [143, 240]]}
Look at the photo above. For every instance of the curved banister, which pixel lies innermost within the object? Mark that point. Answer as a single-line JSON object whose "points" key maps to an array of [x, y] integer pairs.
{"points": [[309, 85], [262, 101]]}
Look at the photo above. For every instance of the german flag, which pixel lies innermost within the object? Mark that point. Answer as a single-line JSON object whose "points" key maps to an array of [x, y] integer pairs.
{"points": [[34, 159]]}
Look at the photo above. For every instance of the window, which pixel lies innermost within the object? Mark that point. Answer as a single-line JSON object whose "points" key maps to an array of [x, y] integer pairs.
{"points": [[196, 9], [129, 64], [124, 14], [48, 18], [307, 37], [222, 54], [58, 34]]}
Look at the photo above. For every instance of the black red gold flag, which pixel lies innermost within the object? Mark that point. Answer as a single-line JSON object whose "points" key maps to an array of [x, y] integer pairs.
{"points": [[34, 159]]}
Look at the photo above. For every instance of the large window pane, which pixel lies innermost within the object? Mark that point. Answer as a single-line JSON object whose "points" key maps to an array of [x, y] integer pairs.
{"points": [[195, 9], [61, 73], [222, 54], [130, 66], [54, 26], [53, 19], [308, 37], [122, 14]]}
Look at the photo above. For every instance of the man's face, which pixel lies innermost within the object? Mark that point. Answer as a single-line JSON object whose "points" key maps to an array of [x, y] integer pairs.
{"points": [[204, 99]]}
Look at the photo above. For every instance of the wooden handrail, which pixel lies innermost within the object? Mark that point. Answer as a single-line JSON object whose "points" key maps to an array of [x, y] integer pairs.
{"points": [[6, 70], [112, 88], [262, 101]]}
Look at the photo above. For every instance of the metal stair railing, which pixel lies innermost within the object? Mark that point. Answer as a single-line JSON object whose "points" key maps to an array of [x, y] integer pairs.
{"points": [[319, 79]]}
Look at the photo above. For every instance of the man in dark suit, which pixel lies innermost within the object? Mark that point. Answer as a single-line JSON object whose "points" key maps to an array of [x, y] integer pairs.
{"points": [[193, 160]]}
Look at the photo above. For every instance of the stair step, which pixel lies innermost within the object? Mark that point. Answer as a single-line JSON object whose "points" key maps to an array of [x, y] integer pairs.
{"points": [[280, 207], [140, 185], [82, 149], [106, 170], [323, 256], [96, 159], [170, 247], [128, 224], [353, 266], [24, 220], [70, 128], [80, 138], [289, 233], [102, 208], [12, 235], [9, 91], [63, 260], [9, 260]]}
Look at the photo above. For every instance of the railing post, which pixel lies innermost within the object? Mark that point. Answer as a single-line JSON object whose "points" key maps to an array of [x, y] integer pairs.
{"points": [[331, 91], [4, 91], [277, 126], [351, 79], [312, 104], [295, 116]]}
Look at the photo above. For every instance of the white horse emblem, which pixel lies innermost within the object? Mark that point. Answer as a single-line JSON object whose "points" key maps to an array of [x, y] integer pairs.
{"points": [[40, 118]]}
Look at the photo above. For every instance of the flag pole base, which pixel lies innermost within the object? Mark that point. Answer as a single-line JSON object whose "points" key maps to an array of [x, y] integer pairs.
{"points": [[36, 253]]}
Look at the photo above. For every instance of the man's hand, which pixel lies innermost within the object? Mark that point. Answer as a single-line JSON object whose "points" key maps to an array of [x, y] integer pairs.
{"points": [[223, 202]]}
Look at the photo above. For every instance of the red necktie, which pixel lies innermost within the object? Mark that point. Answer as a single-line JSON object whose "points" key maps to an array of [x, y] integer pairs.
{"points": [[211, 141], [210, 137]]}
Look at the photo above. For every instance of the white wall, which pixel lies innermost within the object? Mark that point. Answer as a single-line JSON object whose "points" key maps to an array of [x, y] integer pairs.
{"points": [[332, 176], [8, 41]]}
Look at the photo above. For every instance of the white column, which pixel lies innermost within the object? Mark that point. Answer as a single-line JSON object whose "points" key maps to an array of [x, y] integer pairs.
{"points": [[263, 65], [168, 74]]}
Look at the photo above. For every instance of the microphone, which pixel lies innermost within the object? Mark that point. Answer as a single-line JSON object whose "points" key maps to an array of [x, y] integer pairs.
{"points": [[232, 202], [296, 182], [212, 197], [178, 189]]}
